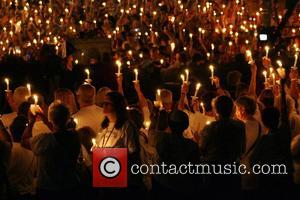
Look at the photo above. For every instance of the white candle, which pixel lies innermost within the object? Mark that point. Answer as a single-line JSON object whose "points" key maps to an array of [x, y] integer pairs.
{"points": [[147, 125], [29, 89], [197, 89], [158, 95], [265, 75], [87, 71], [136, 74], [187, 75], [119, 64], [249, 55], [36, 99], [296, 60], [202, 106], [172, 46], [267, 48], [279, 63], [211, 67], [7, 84], [182, 78], [75, 121]]}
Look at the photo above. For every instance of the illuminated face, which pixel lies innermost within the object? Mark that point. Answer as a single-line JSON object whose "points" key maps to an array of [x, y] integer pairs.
{"points": [[239, 112]]}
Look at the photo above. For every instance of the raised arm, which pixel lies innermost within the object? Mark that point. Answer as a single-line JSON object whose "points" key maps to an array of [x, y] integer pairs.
{"points": [[294, 92], [184, 90], [252, 86], [142, 100]]}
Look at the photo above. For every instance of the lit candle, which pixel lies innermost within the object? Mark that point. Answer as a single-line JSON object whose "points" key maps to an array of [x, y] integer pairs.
{"points": [[267, 48], [296, 60], [279, 63], [197, 90], [265, 75], [36, 99], [87, 71], [94, 144], [7, 84], [182, 78], [29, 89], [211, 67], [172, 46], [202, 106], [119, 64], [158, 94], [249, 55], [161, 61], [273, 79], [187, 75], [147, 125], [136, 74], [75, 121]]}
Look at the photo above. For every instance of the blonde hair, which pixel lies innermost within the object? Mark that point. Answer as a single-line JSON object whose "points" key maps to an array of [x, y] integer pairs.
{"points": [[166, 96], [86, 94], [66, 97], [20, 95], [101, 94]]}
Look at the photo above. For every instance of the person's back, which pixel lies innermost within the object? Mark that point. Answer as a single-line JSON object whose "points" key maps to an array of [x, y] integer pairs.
{"points": [[223, 141]]}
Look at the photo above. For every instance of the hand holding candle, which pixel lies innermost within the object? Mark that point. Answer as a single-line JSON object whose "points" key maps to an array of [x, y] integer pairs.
{"points": [[87, 71], [119, 64], [249, 56], [296, 60]]}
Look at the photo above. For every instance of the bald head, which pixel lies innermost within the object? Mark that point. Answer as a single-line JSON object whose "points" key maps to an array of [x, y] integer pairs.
{"points": [[86, 95]]}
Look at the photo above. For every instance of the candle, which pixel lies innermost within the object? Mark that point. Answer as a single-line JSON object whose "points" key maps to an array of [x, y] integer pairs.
{"points": [[296, 60], [249, 55], [158, 95], [273, 79], [94, 144], [29, 89], [182, 78], [161, 61], [202, 106], [197, 89], [279, 63], [36, 99], [265, 75], [7, 84], [211, 67], [147, 125], [267, 48], [119, 64], [75, 121], [136, 74], [187, 75], [172, 46], [87, 71]]}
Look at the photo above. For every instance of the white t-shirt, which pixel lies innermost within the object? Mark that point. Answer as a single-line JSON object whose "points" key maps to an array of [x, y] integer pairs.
{"points": [[91, 116], [40, 128], [21, 169]]}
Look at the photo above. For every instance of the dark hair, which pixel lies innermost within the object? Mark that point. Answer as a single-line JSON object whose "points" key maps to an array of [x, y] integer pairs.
{"points": [[136, 116], [24, 109], [159, 120], [270, 117], [178, 121], [224, 106], [119, 105], [267, 98], [248, 103], [85, 136], [60, 115], [233, 78], [17, 127]]}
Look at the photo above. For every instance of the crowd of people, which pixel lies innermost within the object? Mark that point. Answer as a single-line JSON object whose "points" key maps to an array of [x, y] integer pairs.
{"points": [[188, 82]]}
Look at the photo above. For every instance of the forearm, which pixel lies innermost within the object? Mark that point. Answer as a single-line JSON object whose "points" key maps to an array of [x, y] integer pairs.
{"points": [[252, 86], [142, 99], [294, 89], [181, 101]]}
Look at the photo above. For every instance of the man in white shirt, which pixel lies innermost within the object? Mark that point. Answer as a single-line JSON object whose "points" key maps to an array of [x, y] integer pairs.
{"points": [[89, 114], [19, 96]]}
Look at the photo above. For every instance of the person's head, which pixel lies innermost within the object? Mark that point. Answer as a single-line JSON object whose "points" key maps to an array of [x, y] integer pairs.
{"points": [[241, 90], [223, 106], [233, 78], [24, 109], [266, 97], [167, 99], [85, 135], [178, 121], [59, 116], [86, 95], [245, 107], [17, 128], [114, 106], [270, 118], [20, 95], [101, 93], [66, 97]]}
